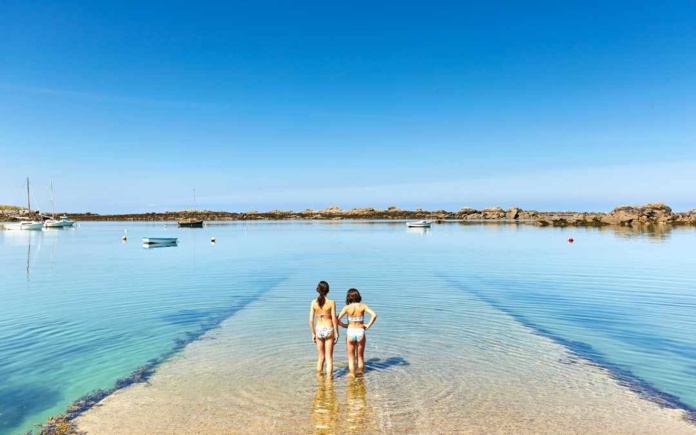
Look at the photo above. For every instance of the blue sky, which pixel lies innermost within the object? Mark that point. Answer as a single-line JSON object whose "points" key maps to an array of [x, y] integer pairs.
{"points": [[261, 105]]}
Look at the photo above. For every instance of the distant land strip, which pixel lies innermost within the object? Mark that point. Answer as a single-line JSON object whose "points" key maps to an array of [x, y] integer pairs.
{"points": [[646, 215]]}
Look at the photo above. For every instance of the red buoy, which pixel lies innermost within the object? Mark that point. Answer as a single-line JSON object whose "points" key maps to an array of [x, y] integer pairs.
{"points": [[570, 240]]}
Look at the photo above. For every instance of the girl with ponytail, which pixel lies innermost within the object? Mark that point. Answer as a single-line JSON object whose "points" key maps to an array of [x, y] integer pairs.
{"points": [[325, 331]]}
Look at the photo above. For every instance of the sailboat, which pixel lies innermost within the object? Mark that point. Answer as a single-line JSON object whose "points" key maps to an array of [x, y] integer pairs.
{"points": [[64, 221], [191, 222], [26, 225]]}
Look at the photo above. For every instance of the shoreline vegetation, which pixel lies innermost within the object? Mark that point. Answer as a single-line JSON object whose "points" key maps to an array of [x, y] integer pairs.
{"points": [[630, 216]]}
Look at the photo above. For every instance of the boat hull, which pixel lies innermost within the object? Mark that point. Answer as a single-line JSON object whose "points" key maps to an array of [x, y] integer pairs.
{"points": [[58, 224], [160, 240], [25, 226], [418, 224], [190, 224]]}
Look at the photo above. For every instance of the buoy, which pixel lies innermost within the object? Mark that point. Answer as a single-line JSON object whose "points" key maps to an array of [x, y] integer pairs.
{"points": [[570, 240], [212, 239], [124, 238]]}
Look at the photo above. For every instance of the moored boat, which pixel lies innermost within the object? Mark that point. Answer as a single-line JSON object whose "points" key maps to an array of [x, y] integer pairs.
{"points": [[64, 222], [159, 240], [190, 223], [419, 224], [25, 226]]}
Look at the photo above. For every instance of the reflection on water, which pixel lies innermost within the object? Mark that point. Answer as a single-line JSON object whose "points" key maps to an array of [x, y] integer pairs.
{"points": [[324, 406], [159, 245], [356, 404], [419, 231], [655, 233], [328, 416]]}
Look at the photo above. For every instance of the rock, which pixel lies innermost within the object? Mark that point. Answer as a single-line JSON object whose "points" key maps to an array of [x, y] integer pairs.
{"points": [[513, 213], [493, 213], [653, 213], [394, 209], [420, 210], [333, 209], [359, 211]]}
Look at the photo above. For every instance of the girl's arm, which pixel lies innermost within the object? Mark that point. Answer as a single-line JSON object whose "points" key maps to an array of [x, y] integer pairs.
{"points": [[373, 316], [340, 316], [334, 320], [311, 321]]}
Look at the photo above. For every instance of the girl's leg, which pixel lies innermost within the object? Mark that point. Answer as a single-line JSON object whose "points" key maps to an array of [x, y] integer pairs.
{"points": [[361, 354], [351, 345], [329, 356], [320, 355]]}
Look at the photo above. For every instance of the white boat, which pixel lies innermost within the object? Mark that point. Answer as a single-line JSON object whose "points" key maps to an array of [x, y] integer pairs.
{"points": [[25, 225], [419, 224], [159, 240], [64, 222]]}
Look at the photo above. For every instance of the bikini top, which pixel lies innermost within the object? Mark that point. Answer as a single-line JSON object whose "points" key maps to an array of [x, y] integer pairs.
{"points": [[356, 319]]}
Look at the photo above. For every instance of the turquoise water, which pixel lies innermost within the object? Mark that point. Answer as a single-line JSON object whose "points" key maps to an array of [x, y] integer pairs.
{"points": [[80, 309]]}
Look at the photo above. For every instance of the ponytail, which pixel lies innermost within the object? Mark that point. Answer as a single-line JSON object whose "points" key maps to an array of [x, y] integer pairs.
{"points": [[323, 290]]}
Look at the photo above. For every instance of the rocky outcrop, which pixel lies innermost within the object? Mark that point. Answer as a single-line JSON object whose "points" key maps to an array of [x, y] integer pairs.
{"points": [[493, 213], [649, 214], [331, 210]]}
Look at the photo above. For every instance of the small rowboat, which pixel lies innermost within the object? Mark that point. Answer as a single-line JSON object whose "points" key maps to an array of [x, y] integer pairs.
{"points": [[419, 224], [190, 223], [160, 240]]}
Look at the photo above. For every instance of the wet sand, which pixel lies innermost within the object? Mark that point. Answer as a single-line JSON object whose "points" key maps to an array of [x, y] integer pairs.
{"points": [[500, 379]]}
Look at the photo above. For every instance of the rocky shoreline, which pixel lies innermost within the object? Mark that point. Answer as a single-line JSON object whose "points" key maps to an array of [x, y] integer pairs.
{"points": [[631, 216]]}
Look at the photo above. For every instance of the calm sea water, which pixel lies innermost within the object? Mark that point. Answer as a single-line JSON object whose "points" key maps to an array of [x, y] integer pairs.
{"points": [[80, 309]]}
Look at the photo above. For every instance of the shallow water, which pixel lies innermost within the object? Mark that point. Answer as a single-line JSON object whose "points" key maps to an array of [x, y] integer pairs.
{"points": [[485, 305]]}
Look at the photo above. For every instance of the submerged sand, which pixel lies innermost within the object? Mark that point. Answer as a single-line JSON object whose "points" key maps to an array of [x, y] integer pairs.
{"points": [[501, 379]]}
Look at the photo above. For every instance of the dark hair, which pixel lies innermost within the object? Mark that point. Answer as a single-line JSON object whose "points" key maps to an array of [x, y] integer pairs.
{"points": [[353, 295], [323, 290]]}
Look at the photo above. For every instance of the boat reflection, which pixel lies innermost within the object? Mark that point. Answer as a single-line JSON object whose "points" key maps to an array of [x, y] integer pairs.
{"points": [[159, 245], [423, 231], [24, 238]]}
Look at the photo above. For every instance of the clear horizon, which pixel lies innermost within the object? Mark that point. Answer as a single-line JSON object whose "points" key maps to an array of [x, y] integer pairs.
{"points": [[128, 107]]}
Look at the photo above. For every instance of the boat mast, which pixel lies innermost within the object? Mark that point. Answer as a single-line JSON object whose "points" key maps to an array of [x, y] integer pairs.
{"points": [[53, 205], [28, 199]]}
